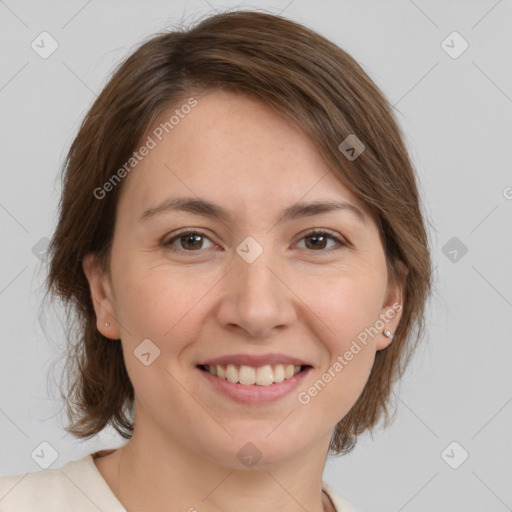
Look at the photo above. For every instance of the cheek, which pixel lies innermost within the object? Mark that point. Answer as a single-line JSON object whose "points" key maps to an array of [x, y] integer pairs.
{"points": [[346, 303], [155, 304], [146, 306], [345, 313], [162, 303]]}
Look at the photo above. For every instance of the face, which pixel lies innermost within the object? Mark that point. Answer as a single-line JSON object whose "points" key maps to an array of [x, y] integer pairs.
{"points": [[248, 282]]}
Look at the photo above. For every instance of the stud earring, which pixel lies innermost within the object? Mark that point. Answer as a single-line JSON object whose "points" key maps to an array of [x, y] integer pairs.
{"points": [[107, 323], [388, 334]]}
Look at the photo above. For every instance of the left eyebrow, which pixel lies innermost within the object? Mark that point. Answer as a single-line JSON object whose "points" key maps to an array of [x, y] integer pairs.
{"points": [[206, 208]]}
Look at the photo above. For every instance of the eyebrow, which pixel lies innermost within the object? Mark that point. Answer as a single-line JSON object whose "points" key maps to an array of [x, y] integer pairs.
{"points": [[206, 208]]}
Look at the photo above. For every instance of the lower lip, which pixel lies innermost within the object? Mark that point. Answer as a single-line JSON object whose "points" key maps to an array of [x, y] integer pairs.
{"points": [[256, 394]]}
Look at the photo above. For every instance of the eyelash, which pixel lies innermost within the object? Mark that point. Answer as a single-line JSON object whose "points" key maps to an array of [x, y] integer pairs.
{"points": [[315, 232]]}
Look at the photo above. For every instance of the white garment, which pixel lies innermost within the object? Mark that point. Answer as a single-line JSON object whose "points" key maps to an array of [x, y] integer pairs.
{"points": [[78, 486]]}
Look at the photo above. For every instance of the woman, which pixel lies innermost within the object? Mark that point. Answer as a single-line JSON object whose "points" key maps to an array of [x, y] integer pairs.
{"points": [[241, 239]]}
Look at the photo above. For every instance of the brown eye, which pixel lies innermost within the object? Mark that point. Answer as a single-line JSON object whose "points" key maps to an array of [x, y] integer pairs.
{"points": [[188, 241], [318, 240]]}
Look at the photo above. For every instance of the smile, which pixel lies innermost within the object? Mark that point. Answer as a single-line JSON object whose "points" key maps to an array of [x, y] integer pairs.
{"points": [[266, 375], [252, 385]]}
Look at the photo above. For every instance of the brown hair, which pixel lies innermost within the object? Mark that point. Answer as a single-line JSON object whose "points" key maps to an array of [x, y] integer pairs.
{"points": [[321, 90]]}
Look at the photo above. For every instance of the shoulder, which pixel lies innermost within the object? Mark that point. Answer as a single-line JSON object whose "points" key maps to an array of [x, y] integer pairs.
{"points": [[77, 486], [340, 504]]}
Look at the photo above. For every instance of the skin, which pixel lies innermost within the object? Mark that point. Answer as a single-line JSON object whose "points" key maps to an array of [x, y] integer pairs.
{"points": [[296, 298]]}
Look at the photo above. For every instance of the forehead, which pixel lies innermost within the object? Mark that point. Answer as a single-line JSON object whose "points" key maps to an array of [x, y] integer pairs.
{"points": [[235, 151]]}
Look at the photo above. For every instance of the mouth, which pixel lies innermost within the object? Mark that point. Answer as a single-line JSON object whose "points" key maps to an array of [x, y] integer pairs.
{"points": [[257, 385], [266, 375]]}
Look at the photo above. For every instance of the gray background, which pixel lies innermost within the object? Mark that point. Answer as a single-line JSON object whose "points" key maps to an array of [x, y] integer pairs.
{"points": [[457, 116]]}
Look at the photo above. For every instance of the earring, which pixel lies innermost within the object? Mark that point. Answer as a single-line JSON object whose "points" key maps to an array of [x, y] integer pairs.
{"points": [[107, 323], [388, 334]]}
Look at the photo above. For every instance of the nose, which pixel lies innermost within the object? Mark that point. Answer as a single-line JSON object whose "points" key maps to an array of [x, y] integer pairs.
{"points": [[256, 298]]}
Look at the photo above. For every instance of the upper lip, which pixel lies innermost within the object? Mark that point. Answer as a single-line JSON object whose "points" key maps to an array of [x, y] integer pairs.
{"points": [[254, 361]]}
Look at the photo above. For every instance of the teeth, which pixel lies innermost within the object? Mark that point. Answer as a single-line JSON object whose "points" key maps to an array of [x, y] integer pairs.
{"points": [[247, 375]]}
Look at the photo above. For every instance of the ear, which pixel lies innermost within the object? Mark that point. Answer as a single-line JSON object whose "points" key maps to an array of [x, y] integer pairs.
{"points": [[101, 293], [391, 311]]}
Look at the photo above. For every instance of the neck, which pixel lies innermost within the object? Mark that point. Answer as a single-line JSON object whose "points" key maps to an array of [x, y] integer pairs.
{"points": [[197, 482]]}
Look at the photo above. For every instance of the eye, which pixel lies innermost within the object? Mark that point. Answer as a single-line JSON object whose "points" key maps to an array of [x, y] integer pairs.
{"points": [[318, 240], [193, 240], [190, 241]]}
